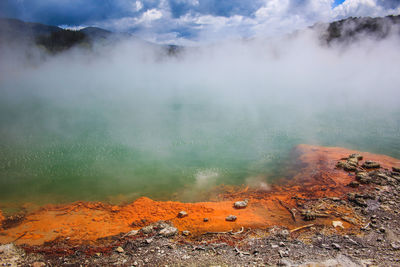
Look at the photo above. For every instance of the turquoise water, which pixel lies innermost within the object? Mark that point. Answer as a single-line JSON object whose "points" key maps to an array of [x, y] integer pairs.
{"points": [[116, 131], [52, 153]]}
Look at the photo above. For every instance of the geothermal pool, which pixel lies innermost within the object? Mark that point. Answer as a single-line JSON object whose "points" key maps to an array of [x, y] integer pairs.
{"points": [[58, 154], [116, 128]]}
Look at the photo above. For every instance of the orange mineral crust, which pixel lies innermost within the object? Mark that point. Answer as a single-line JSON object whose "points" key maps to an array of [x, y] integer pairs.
{"points": [[312, 176]]}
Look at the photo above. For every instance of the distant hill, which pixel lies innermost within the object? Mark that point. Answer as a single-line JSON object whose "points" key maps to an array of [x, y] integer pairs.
{"points": [[53, 38], [353, 29], [17, 30], [96, 33]]}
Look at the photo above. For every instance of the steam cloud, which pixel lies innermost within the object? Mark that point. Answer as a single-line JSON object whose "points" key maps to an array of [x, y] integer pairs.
{"points": [[127, 117]]}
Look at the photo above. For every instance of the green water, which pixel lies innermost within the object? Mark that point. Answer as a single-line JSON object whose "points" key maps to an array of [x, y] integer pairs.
{"points": [[117, 131], [57, 153]]}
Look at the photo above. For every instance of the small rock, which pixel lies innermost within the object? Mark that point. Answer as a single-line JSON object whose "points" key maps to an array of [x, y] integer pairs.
{"points": [[283, 253], [231, 218], [337, 224], [349, 167], [396, 169], [274, 246], [354, 184], [147, 229], [281, 244], [119, 250], [186, 233], [284, 263], [38, 264], [205, 220], [148, 240], [336, 246], [382, 230], [132, 233], [169, 231], [98, 254], [241, 204], [363, 178], [182, 214], [357, 156], [371, 164], [284, 233], [395, 245]]}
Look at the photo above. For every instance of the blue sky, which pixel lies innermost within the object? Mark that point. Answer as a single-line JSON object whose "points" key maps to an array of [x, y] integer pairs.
{"points": [[191, 21], [337, 2]]}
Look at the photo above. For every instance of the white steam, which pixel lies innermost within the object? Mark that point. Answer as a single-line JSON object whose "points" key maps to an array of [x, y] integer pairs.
{"points": [[224, 106]]}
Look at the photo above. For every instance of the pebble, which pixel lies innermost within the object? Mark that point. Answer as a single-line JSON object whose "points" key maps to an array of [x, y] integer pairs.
{"points": [[186, 233], [284, 263], [205, 220], [241, 204], [182, 214], [148, 240], [231, 218], [119, 250], [336, 246], [168, 231], [132, 233], [395, 245], [283, 253]]}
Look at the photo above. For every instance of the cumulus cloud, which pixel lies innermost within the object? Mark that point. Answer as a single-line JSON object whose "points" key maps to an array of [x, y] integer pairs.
{"points": [[195, 20], [372, 8]]}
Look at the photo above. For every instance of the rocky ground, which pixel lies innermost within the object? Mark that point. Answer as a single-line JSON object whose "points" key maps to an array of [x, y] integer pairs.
{"points": [[372, 240]]}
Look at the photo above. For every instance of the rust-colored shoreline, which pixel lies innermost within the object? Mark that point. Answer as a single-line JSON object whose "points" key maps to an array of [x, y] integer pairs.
{"points": [[314, 176]]}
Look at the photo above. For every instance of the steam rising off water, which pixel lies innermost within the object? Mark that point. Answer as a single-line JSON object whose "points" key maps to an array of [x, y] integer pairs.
{"points": [[126, 121]]}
